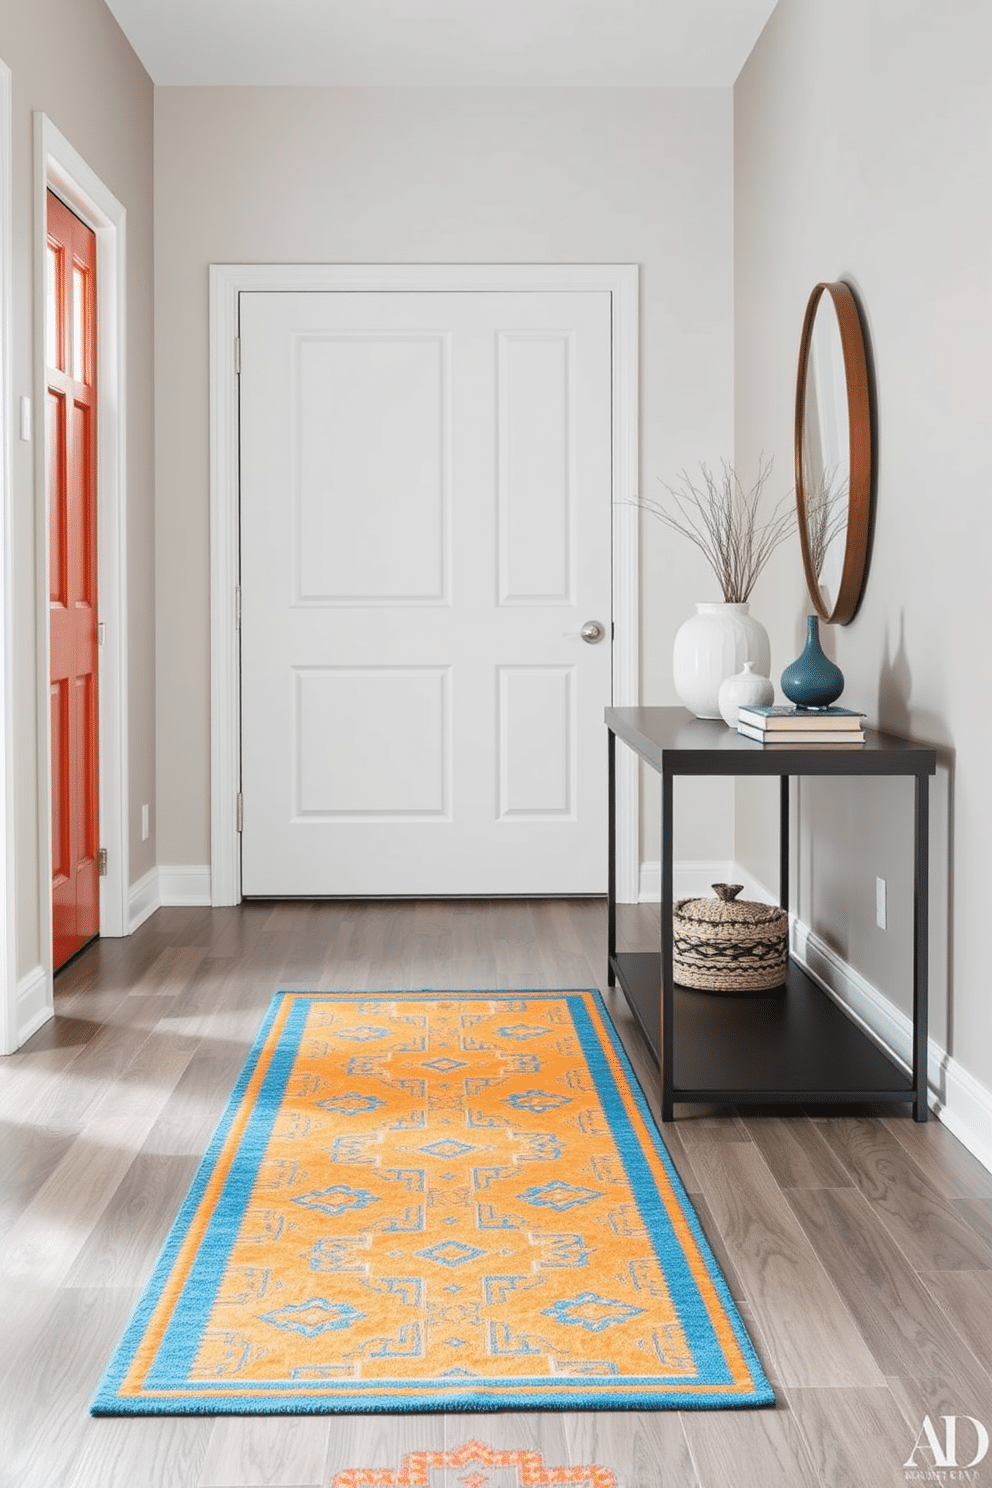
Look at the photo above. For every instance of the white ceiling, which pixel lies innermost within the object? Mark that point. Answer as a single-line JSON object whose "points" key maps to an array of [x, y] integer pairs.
{"points": [[444, 43]]}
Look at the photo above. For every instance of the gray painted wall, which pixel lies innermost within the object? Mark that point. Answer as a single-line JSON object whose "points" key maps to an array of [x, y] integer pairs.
{"points": [[863, 151]]}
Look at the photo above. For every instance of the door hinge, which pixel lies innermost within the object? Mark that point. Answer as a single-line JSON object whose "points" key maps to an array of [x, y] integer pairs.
{"points": [[241, 812], [237, 606], [101, 632], [237, 356], [101, 860]]}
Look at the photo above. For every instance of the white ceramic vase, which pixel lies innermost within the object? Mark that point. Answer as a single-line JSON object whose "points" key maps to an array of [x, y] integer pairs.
{"points": [[745, 689], [712, 645]]}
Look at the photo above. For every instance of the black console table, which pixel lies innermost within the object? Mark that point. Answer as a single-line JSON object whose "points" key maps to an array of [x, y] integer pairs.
{"points": [[795, 1046]]}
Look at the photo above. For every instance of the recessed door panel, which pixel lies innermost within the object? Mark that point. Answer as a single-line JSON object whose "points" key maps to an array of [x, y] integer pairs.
{"points": [[536, 741], [380, 770], [58, 495], [87, 817], [536, 520], [370, 436], [61, 818], [83, 554]]}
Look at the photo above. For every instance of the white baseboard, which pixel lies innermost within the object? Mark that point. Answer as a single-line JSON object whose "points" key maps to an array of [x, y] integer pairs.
{"points": [[35, 1003], [168, 884], [696, 877], [142, 900], [967, 1111], [955, 1096], [184, 884]]}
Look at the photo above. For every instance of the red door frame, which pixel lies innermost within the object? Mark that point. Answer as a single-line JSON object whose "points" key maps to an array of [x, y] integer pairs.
{"points": [[71, 404]]}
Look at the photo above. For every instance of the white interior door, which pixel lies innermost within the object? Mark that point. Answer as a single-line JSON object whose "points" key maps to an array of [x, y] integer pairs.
{"points": [[425, 529]]}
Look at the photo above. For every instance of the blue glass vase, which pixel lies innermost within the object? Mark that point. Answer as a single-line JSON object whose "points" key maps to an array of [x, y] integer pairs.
{"points": [[813, 680]]}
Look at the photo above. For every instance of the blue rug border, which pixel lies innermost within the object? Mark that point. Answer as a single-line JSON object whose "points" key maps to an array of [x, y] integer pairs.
{"points": [[106, 1402]]}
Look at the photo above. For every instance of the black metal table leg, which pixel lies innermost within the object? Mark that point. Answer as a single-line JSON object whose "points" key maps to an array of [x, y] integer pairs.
{"points": [[783, 842], [921, 945], [667, 990], [611, 872]]}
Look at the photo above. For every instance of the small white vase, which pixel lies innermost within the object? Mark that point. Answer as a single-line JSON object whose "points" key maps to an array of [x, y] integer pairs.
{"points": [[744, 690], [712, 645]]}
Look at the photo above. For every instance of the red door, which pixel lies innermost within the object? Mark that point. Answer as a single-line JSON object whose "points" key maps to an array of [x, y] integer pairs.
{"points": [[70, 358]]}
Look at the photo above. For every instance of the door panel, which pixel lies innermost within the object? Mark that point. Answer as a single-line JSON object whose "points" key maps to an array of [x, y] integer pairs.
{"points": [[371, 494], [536, 703], [425, 525], [358, 773], [71, 457], [536, 496]]}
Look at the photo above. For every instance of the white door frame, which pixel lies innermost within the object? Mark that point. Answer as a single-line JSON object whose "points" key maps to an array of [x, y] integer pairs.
{"points": [[60, 168], [8, 962], [227, 283]]}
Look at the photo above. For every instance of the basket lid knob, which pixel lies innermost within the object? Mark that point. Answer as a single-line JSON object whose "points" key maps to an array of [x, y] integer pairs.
{"points": [[727, 892]]}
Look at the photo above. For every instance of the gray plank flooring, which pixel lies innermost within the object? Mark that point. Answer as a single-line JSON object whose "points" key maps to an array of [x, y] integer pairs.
{"points": [[858, 1245]]}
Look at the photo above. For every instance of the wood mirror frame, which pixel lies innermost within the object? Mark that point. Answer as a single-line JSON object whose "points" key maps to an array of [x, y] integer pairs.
{"points": [[857, 526]]}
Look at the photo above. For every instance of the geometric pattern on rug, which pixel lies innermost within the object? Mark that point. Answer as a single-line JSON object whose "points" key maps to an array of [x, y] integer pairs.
{"points": [[425, 1201], [485, 1467]]}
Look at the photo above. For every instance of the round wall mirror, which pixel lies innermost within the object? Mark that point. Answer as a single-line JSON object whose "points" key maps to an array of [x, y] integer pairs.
{"points": [[833, 452]]}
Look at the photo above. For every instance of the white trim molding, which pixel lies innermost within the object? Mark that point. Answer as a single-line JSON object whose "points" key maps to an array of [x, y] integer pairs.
{"points": [[957, 1098], [966, 1110], [695, 877], [9, 997], [33, 1003], [142, 900], [59, 167], [227, 283], [180, 883], [170, 884]]}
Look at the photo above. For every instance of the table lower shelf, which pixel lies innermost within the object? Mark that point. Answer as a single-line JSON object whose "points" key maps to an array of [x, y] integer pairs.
{"points": [[795, 1046]]}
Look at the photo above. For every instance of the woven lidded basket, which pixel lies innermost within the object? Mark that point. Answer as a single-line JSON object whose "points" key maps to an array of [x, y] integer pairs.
{"points": [[729, 945]]}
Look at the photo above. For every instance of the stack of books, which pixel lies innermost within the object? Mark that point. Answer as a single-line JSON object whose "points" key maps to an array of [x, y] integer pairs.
{"points": [[788, 725]]}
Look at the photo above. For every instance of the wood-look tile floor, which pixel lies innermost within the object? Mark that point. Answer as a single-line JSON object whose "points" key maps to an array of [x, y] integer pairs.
{"points": [[858, 1244]]}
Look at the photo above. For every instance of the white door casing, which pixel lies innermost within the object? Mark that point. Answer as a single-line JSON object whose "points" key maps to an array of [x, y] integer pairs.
{"points": [[425, 527], [58, 166], [522, 686], [9, 1031]]}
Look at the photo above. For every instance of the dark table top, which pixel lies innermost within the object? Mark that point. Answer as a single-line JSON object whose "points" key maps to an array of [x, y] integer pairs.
{"points": [[677, 743]]}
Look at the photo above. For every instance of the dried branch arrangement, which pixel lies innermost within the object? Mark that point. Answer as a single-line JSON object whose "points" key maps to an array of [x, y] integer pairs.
{"points": [[721, 518]]}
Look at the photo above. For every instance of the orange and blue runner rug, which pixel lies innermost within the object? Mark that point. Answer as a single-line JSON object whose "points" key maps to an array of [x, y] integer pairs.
{"points": [[435, 1201]]}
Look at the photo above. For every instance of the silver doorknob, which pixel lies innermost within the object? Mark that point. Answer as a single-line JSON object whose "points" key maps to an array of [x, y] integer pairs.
{"points": [[592, 632]]}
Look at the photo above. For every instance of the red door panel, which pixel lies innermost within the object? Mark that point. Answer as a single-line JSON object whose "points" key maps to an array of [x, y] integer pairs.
{"points": [[71, 452]]}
